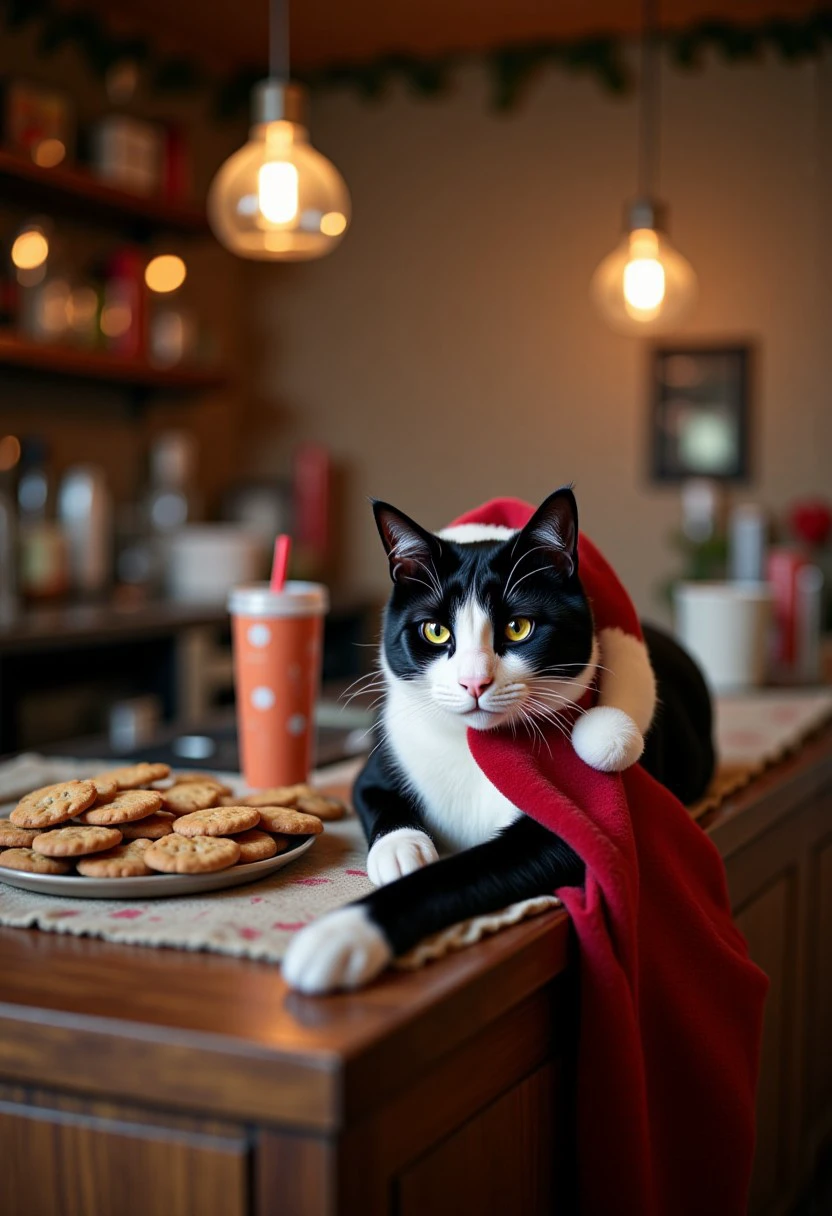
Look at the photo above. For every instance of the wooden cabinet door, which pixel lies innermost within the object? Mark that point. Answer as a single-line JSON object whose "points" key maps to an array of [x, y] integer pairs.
{"points": [[501, 1161], [59, 1163]]}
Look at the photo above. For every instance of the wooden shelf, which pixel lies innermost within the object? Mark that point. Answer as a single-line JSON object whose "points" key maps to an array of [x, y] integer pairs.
{"points": [[23, 353], [79, 193]]}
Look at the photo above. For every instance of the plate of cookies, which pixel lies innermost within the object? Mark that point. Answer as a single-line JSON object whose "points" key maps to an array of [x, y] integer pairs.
{"points": [[136, 832]]}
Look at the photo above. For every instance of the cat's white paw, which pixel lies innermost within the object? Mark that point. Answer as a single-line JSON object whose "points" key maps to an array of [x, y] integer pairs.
{"points": [[399, 853], [343, 949], [607, 739]]}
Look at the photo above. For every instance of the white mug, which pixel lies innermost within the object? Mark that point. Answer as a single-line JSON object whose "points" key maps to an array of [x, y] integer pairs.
{"points": [[725, 627]]}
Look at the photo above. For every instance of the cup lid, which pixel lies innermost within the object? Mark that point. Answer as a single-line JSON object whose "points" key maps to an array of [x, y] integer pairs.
{"points": [[296, 599]]}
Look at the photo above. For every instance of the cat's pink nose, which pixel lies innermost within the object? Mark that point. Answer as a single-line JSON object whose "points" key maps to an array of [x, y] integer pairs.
{"points": [[475, 686]]}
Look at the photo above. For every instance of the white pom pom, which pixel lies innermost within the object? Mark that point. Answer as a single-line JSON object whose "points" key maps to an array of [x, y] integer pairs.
{"points": [[607, 739]]}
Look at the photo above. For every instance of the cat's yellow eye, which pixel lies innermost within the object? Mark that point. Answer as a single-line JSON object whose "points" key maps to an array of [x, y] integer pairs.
{"points": [[435, 633], [518, 629]]}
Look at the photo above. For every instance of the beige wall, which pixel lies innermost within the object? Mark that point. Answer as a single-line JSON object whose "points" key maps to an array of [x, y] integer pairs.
{"points": [[448, 351]]}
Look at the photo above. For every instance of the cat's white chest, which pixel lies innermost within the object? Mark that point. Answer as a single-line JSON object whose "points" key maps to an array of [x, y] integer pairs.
{"points": [[459, 805]]}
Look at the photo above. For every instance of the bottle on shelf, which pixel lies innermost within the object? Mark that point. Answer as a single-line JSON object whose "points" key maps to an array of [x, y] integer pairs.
{"points": [[124, 307], [43, 556], [85, 513], [8, 541]]}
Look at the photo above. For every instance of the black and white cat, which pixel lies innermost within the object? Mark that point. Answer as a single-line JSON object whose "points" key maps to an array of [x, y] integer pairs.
{"points": [[476, 636]]}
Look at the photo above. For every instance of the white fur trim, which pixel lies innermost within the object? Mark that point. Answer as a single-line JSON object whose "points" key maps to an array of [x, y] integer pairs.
{"points": [[467, 534], [607, 739], [626, 679], [398, 853], [341, 950]]}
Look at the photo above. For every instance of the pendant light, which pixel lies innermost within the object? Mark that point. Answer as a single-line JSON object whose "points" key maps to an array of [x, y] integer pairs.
{"points": [[277, 199], [645, 285]]}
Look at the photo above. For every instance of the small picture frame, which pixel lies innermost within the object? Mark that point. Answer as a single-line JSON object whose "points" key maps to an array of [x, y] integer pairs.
{"points": [[699, 413]]}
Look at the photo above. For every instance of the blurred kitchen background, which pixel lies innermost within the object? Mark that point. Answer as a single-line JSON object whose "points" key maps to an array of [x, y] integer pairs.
{"points": [[167, 406]]}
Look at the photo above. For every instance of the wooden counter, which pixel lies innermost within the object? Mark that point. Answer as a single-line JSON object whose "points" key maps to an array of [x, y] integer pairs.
{"points": [[146, 1081]]}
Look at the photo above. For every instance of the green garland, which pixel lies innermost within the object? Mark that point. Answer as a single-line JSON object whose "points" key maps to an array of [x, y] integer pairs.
{"points": [[512, 68]]}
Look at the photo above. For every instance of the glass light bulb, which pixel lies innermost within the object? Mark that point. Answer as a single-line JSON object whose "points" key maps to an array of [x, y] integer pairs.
{"points": [[644, 285], [278, 199]]}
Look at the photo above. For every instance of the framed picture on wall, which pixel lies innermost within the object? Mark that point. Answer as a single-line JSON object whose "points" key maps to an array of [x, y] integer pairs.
{"points": [[699, 413]]}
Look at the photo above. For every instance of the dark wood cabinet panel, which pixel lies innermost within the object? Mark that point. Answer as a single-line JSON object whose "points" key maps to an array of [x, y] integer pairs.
{"points": [[767, 923], [500, 1161], [57, 1163], [819, 1056], [780, 880]]}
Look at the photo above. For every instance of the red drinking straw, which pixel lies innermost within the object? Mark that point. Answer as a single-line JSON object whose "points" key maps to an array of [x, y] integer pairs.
{"points": [[282, 548]]}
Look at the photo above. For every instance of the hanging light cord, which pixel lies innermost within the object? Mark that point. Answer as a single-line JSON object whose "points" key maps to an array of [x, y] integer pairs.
{"points": [[279, 40], [648, 155]]}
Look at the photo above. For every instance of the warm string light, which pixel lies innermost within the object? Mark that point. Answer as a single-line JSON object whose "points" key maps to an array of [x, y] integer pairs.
{"points": [[30, 249], [165, 273]]}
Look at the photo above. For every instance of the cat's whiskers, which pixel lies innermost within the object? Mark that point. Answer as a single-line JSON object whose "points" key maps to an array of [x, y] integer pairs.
{"points": [[539, 570], [561, 666], [549, 716], [534, 727], [366, 689], [522, 557], [432, 574], [541, 690], [368, 675]]}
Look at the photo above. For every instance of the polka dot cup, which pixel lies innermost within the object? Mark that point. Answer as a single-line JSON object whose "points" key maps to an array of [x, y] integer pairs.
{"points": [[277, 674]]}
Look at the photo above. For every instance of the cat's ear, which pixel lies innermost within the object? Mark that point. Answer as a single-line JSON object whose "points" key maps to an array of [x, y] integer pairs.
{"points": [[410, 548], [553, 529]]}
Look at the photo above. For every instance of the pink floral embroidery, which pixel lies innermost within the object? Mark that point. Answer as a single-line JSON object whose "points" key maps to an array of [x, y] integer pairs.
{"points": [[290, 926], [127, 914], [60, 915], [250, 935], [256, 899], [357, 873], [310, 882]]}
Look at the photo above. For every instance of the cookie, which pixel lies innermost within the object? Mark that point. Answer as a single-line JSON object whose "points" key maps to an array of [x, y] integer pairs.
{"points": [[218, 821], [105, 787], [76, 841], [53, 804], [299, 798], [257, 846], [126, 806], [177, 854], [152, 827], [322, 805], [124, 861], [13, 837], [278, 795], [32, 862], [132, 776], [288, 822], [201, 779], [192, 796]]}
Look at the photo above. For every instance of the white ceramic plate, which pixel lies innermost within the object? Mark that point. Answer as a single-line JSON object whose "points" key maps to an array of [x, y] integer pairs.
{"points": [[153, 886]]}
